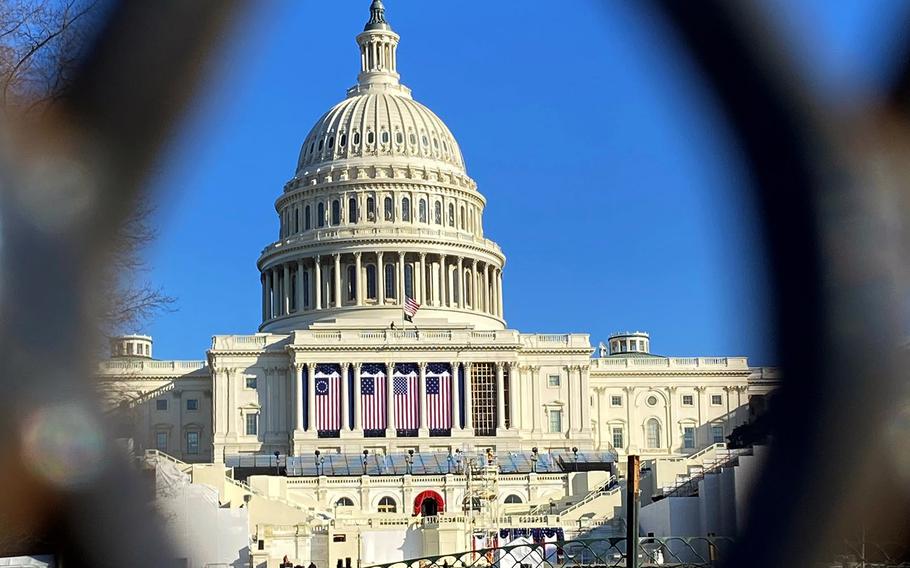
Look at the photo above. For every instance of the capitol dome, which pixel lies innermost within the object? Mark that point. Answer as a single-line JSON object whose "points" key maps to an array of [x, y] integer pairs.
{"points": [[380, 213]]}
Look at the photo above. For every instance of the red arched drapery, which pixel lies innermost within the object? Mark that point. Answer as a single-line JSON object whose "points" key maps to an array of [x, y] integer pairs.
{"points": [[429, 494]]}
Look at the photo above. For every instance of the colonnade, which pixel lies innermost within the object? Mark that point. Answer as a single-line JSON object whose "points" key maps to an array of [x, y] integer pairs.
{"points": [[462, 401], [379, 279]]}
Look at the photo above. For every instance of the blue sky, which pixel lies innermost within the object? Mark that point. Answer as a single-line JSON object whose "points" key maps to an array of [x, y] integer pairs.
{"points": [[611, 182]]}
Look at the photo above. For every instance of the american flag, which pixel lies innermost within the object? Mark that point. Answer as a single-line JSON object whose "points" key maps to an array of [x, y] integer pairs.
{"points": [[439, 398], [328, 400], [407, 401], [410, 308], [372, 397]]}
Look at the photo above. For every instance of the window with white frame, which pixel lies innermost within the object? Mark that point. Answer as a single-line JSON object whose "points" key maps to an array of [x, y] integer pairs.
{"points": [[553, 381], [652, 433], [513, 499], [619, 440], [387, 505], [344, 502], [717, 400], [615, 400], [251, 383], [192, 442], [555, 420], [688, 400], [688, 437], [252, 424], [161, 404], [192, 404], [161, 441], [717, 433]]}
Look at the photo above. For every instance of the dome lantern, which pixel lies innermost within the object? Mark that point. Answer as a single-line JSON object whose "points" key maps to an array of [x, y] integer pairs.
{"points": [[378, 46]]}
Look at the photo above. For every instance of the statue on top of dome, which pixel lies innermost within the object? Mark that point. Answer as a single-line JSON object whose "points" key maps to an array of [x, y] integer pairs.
{"points": [[377, 17]]}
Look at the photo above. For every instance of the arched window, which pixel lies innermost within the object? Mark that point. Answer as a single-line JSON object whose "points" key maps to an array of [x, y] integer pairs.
{"points": [[387, 505], [412, 139], [320, 145], [462, 217], [306, 218], [331, 142], [296, 219], [344, 502], [468, 287], [320, 215], [356, 139], [385, 137], [423, 211], [512, 499], [336, 212], [405, 209], [409, 280], [451, 215], [371, 209], [652, 433], [387, 206], [437, 213], [343, 140], [398, 137], [390, 286], [370, 137], [352, 210], [371, 281], [352, 282]]}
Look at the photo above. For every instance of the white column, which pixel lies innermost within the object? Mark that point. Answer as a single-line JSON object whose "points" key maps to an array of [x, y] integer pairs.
{"points": [[571, 398], [337, 282], [514, 396], [499, 292], [442, 298], [380, 279], [422, 278], [487, 290], [459, 279], [358, 284], [286, 290], [475, 290], [500, 398], [390, 400], [345, 399], [317, 282], [671, 427], [358, 413], [311, 396], [265, 294], [630, 428], [422, 393], [401, 278], [231, 399], [456, 398], [297, 390], [300, 306], [276, 303], [699, 392], [468, 402], [585, 382]]}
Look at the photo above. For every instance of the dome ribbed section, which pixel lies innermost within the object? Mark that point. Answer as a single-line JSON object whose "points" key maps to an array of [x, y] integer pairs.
{"points": [[379, 127]]}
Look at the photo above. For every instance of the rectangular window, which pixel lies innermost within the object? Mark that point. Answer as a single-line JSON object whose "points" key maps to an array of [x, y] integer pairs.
{"points": [[687, 400], [716, 399], [553, 381], [192, 404], [251, 383], [192, 442], [689, 437], [252, 424], [161, 441], [615, 400], [717, 433], [161, 404], [618, 441], [555, 421]]}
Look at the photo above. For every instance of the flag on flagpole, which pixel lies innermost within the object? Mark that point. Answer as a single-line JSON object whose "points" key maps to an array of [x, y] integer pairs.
{"points": [[410, 308]]}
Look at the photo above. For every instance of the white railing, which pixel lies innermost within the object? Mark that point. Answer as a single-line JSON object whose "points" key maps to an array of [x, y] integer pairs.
{"points": [[601, 489], [610, 363], [151, 366]]}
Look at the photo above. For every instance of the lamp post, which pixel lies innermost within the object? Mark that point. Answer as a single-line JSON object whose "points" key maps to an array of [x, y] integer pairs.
{"points": [[277, 471], [319, 459], [409, 460], [534, 458], [364, 461], [575, 453]]}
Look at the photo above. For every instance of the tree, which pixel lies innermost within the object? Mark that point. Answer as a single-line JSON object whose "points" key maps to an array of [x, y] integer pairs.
{"points": [[41, 44]]}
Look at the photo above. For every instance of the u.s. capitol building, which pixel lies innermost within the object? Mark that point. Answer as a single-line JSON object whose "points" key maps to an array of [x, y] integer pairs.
{"points": [[380, 210]]}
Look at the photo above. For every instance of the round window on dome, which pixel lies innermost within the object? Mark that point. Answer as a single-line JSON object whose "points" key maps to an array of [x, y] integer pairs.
{"points": [[652, 400], [370, 137], [385, 137], [356, 139]]}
